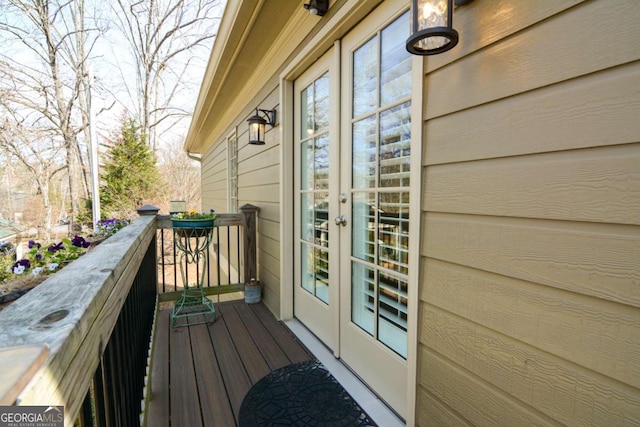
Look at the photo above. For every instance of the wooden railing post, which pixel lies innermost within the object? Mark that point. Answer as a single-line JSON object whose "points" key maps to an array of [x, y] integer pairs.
{"points": [[250, 213], [148, 210]]}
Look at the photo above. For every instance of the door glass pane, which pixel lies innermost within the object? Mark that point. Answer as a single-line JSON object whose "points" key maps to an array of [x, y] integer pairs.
{"points": [[395, 146], [363, 297], [365, 77], [381, 153], [392, 309], [306, 217], [314, 185], [314, 254], [321, 207], [321, 106], [321, 265], [306, 165], [364, 152], [306, 113], [393, 231], [395, 62], [306, 268], [363, 211], [321, 162]]}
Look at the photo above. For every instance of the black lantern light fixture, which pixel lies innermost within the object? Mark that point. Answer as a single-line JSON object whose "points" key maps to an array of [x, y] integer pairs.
{"points": [[431, 26], [317, 7], [257, 124]]}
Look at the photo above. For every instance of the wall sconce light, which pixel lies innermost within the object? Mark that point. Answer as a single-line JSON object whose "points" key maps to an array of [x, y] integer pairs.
{"points": [[431, 26], [257, 123], [317, 7]]}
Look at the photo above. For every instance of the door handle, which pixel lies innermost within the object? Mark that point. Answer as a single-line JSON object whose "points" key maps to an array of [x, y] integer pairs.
{"points": [[341, 220]]}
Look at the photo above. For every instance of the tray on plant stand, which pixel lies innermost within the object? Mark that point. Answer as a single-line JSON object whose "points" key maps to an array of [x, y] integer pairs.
{"points": [[192, 239]]}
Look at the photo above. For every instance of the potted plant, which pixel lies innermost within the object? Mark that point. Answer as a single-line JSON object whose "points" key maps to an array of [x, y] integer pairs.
{"points": [[193, 223]]}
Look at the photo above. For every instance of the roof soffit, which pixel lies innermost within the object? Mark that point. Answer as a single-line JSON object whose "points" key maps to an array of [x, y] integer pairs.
{"points": [[247, 39]]}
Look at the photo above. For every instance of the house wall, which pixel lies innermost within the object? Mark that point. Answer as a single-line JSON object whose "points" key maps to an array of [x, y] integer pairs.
{"points": [[530, 249], [214, 178], [258, 184]]}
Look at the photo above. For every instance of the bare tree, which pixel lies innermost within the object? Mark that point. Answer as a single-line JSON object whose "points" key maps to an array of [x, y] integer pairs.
{"points": [[40, 153], [183, 171], [165, 38], [44, 80]]}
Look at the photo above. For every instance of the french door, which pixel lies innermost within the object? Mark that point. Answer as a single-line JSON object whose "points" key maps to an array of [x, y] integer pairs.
{"points": [[353, 172], [316, 171]]}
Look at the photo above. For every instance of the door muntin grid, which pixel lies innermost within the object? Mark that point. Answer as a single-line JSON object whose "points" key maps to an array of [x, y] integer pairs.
{"points": [[380, 179]]}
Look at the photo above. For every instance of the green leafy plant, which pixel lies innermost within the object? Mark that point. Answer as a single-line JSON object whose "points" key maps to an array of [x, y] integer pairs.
{"points": [[6, 263], [192, 214]]}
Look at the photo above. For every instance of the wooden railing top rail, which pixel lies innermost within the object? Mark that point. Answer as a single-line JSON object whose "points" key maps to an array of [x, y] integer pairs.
{"points": [[73, 313]]}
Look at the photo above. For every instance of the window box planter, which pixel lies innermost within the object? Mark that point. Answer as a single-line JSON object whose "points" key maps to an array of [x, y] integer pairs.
{"points": [[192, 227]]}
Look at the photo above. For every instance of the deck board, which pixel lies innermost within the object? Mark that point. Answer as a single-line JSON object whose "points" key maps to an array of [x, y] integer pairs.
{"points": [[252, 360], [201, 373], [211, 389], [183, 381], [293, 349], [159, 411], [234, 374], [271, 351]]}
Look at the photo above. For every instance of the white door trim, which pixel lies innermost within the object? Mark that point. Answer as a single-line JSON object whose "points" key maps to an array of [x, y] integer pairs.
{"points": [[347, 16]]}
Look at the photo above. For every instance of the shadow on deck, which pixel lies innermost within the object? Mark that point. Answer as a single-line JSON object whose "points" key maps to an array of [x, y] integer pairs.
{"points": [[201, 373]]}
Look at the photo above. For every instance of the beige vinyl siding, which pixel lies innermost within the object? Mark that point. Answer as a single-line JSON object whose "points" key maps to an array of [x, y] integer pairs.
{"points": [[213, 177], [258, 184], [530, 248]]}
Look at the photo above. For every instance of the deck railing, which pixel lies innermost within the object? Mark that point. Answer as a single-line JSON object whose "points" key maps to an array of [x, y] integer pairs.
{"points": [[87, 329], [231, 256]]}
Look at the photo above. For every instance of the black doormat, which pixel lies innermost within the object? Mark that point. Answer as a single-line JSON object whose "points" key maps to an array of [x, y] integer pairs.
{"points": [[302, 394]]}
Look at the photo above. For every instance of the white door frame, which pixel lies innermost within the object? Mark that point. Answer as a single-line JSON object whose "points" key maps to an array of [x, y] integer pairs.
{"points": [[337, 25]]}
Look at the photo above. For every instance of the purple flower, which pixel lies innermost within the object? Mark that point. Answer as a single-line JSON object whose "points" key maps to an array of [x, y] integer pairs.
{"points": [[33, 244], [56, 247], [80, 242], [39, 256], [25, 263]]}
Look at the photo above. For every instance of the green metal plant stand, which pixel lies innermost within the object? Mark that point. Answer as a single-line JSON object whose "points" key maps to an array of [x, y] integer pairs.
{"points": [[192, 241]]}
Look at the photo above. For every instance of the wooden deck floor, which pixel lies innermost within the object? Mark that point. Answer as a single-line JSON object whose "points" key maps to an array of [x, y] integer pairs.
{"points": [[201, 373]]}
